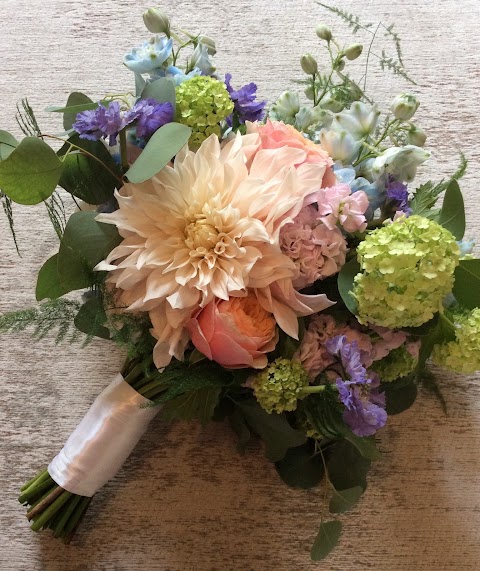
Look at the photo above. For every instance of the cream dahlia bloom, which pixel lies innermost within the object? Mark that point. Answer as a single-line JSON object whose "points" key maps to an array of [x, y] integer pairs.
{"points": [[208, 227]]}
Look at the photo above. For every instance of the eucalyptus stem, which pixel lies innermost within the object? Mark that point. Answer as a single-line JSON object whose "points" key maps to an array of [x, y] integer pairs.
{"points": [[123, 149]]}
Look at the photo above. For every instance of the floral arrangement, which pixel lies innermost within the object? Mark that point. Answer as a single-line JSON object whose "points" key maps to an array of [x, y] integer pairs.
{"points": [[273, 266]]}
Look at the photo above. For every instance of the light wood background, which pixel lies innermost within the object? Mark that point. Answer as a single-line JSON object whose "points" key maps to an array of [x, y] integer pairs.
{"points": [[186, 500]]}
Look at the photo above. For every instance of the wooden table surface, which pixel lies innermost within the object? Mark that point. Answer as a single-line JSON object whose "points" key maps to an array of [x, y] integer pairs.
{"points": [[186, 500]]}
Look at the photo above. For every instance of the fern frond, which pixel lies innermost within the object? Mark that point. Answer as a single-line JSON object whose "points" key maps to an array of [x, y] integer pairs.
{"points": [[56, 212], [26, 119], [389, 32], [352, 20], [52, 316], [394, 66], [7, 208]]}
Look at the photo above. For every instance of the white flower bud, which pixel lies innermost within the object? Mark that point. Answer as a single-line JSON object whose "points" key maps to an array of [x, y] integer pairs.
{"points": [[309, 64], [353, 51], [323, 32], [404, 106], [309, 92], [209, 43], [416, 136], [340, 64], [156, 21]]}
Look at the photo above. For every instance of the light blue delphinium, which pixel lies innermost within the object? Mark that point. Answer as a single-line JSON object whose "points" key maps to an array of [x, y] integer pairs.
{"points": [[174, 73], [201, 60], [150, 55]]}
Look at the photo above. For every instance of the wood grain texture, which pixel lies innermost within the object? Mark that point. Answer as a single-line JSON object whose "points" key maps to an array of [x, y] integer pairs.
{"points": [[186, 500]]}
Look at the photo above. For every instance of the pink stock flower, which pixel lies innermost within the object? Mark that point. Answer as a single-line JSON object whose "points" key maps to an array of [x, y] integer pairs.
{"points": [[337, 204], [236, 333], [316, 250]]}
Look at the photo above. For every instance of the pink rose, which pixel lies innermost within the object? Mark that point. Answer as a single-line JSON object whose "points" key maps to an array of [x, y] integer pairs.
{"points": [[236, 333], [275, 134]]}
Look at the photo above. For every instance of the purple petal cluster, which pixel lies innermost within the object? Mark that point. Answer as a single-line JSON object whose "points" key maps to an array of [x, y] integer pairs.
{"points": [[247, 108], [108, 121], [398, 192], [364, 405]]}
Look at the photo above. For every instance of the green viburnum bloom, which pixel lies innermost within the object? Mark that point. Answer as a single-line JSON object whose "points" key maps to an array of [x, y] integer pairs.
{"points": [[279, 386], [407, 270], [463, 354], [398, 363], [202, 102]]}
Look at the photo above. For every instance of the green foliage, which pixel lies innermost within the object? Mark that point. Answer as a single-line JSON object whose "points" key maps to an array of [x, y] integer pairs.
{"points": [[48, 281], [162, 90], [160, 149], [198, 403], [31, 172], [26, 119], [350, 19], [274, 429], [51, 317], [395, 67], [428, 381], [301, 467], [366, 445], [467, 283], [326, 540], [7, 208], [323, 413], [389, 32], [240, 427], [346, 283], [343, 501], [452, 214], [91, 177], [132, 333], [75, 100], [437, 331], [346, 467], [8, 144], [56, 212], [400, 394], [91, 318]]}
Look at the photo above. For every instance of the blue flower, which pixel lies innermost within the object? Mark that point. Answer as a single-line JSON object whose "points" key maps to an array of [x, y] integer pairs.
{"points": [[201, 60], [175, 73], [149, 115], [150, 55], [100, 122], [364, 405], [247, 108]]}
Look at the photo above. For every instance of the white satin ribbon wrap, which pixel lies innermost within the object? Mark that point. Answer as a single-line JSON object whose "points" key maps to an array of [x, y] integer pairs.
{"points": [[103, 440]]}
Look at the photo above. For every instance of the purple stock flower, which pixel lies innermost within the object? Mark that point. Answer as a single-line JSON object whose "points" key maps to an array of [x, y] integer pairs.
{"points": [[100, 122], [247, 107], [398, 192], [150, 115], [364, 405]]}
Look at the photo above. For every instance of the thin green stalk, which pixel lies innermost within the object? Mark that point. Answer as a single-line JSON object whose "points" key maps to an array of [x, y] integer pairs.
{"points": [[70, 507], [76, 519], [123, 149], [51, 510], [34, 479]]}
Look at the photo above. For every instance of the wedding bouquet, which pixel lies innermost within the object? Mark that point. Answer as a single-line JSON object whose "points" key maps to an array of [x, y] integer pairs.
{"points": [[270, 265]]}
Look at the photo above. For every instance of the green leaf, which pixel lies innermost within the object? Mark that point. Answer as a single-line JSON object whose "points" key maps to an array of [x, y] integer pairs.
{"points": [[240, 427], [31, 172], [300, 468], [365, 445], [48, 281], [400, 395], [139, 84], [326, 540], [467, 283], [452, 214], [199, 403], [85, 243], [160, 149], [274, 429], [440, 330], [162, 90], [8, 143], [75, 100], [74, 109], [91, 317], [343, 501], [85, 177], [346, 282], [347, 468]]}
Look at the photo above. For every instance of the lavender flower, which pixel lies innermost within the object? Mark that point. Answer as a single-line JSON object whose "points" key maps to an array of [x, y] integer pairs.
{"points": [[398, 192], [364, 405], [150, 115], [246, 106], [100, 122]]}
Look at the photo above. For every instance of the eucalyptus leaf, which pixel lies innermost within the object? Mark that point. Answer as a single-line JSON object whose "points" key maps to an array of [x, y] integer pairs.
{"points": [[274, 429], [91, 317], [440, 331], [400, 395], [199, 403], [240, 427], [160, 149], [48, 282], [75, 100], [365, 445], [346, 467], [162, 90], [326, 540], [452, 214], [31, 172], [346, 283], [344, 500], [8, 143], [301, 468], [139, 84], [467, 283], [85, 243], [76, 108]]}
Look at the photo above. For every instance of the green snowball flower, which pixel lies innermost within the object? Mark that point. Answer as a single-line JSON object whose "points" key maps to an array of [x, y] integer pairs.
{"points": [[202, 102], [279, 386], [407, 270], [398, 363], [463, 354]]}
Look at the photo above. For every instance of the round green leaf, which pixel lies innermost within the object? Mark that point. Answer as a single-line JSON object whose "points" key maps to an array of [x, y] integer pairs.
{"points": [[91, 317], [74, 101], [48, 283], [452, 214], [31, 172], [467, 283], [346, 282], [347, 468], [162, 90], [344, 500], [326, 540], [399, 395], [300, 468], [8, 143]]}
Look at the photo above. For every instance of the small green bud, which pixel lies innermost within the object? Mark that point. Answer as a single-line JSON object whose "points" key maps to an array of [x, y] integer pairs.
{"points": [[331, 104], [339, 64], [156, 21], [309, 92], [323, 32], [416, 136], [404, 106], [353, 52], [209, 44], [309, 64]]}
